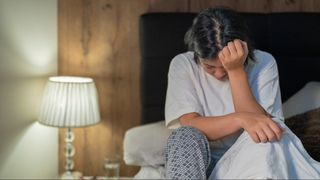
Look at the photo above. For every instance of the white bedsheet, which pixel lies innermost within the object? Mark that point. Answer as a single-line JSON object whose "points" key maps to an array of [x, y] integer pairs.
{"points": [[286, 159]]}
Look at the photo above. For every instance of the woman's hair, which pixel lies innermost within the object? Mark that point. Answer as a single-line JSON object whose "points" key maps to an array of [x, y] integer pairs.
{"points": [[212, 29]]}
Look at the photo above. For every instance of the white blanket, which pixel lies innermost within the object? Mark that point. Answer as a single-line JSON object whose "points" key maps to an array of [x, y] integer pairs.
{"points": [[284, 159]]}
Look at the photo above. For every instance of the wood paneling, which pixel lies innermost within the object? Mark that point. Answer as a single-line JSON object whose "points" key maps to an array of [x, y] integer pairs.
{"points": [[295, 5], [169, 6], [285, 5], [198, 5], [99, 39]]}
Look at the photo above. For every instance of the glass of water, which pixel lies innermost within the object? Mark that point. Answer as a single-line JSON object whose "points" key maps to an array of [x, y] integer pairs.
{"points": [[112, 167]]}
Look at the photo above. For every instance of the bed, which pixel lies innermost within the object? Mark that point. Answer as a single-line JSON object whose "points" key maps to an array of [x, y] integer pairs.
{"points": [[292, 38]]}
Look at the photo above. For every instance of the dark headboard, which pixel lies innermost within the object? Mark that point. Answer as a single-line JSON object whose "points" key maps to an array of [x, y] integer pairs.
{"points": [[292, 38]]}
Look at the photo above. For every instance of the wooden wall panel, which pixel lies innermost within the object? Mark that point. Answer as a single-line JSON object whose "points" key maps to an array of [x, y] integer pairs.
{"points": [[295, 5], [169, 6], [311, 6], [253, 6], [285, 5], [99, 39], [198, 5]]}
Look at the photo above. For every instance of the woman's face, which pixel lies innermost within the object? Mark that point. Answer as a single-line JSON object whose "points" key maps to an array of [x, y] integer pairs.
{"points": [[215, 68]]}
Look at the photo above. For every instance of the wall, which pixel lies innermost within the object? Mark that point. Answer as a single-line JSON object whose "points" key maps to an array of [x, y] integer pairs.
{"points": [[28, 55], [99, 38]]}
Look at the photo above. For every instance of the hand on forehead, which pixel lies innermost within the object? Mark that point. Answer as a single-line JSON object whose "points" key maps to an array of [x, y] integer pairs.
{"points": [[236, 47], [234, 54]]}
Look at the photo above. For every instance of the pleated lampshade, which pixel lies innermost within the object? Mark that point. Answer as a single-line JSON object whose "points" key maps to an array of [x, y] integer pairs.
{"points": [[69, 101]]}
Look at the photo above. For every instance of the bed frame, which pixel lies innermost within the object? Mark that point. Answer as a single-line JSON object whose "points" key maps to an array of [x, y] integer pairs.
{"points": [[292, 38]]}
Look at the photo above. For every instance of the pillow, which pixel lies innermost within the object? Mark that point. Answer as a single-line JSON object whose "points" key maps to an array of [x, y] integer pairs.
{"points": [[304, 100], [144, 145], [307, 127], [148, 172]]}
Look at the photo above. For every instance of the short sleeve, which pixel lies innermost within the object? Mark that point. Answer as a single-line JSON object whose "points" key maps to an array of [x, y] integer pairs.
{"points": [[181, 95], [266, 88]]}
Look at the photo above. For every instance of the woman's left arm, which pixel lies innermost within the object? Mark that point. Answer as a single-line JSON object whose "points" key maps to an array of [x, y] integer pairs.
{"points": [[233, 57], [243, 99]]}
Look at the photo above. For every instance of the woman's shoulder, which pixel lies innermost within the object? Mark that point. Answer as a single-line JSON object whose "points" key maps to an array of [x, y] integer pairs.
{"points": [[184, 64], [185, 59], [263, 59]]}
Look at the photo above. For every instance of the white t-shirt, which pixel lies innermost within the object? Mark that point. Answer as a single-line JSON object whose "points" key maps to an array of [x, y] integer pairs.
{"points": [[191, 89]]}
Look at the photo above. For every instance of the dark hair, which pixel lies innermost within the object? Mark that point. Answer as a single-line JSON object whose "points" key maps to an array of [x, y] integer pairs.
{"points": [[212, 29]]}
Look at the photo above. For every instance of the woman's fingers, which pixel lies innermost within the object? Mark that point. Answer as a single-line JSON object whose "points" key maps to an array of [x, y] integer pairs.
{"points": [[276, 129], [262, 136], [254, 137], [245, 47], [226, 52], [239, 47], [235, 53], [221, 56], [270, 134], [232, 48], [272, 131], [261, 128]]}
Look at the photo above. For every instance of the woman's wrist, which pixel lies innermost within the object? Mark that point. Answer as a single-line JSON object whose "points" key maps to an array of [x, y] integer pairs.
{"points": [[236, 72], [237, 119]]}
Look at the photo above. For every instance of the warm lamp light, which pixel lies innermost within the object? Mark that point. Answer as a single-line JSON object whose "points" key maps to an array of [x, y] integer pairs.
{"points": [[69, 102]]}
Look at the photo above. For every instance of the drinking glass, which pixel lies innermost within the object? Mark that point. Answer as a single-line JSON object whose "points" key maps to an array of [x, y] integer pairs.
{"points": [[112, 167]]}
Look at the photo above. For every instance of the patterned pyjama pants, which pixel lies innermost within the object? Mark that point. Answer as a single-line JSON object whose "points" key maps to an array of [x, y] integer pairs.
{"points": [[187, 155]]}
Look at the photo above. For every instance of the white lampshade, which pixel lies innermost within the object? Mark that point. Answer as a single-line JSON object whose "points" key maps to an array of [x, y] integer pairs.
{"points": [[69, 102]]}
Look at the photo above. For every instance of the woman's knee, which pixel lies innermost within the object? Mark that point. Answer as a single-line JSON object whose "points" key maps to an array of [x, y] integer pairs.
{"points": [[187, 137], [186, 133], [189, 145]]}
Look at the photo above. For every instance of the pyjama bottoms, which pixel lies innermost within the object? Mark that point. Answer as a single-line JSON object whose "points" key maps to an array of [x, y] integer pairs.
{"points": [[187, 154]]}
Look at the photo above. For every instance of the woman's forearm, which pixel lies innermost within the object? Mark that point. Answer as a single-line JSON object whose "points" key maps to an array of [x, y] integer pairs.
{"points": [[242, 96], [233, 57], [214, 127]]}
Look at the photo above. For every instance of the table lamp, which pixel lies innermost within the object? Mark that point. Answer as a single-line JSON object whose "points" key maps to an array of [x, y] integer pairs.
{"points": [[69, 102]]}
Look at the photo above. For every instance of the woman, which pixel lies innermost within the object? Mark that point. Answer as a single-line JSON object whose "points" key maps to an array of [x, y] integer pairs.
{"points": [[221, 89]]}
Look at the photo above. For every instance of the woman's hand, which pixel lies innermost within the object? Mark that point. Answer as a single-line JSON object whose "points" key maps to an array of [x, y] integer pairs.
{"points": [[234, 55], [261, 128]]}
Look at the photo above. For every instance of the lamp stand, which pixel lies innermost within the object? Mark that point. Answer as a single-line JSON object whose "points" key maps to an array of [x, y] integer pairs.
{"points": [[69, 153]]}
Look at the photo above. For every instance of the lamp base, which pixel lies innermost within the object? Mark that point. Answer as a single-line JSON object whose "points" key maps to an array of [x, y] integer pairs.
{"points": [[71, 175]]}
